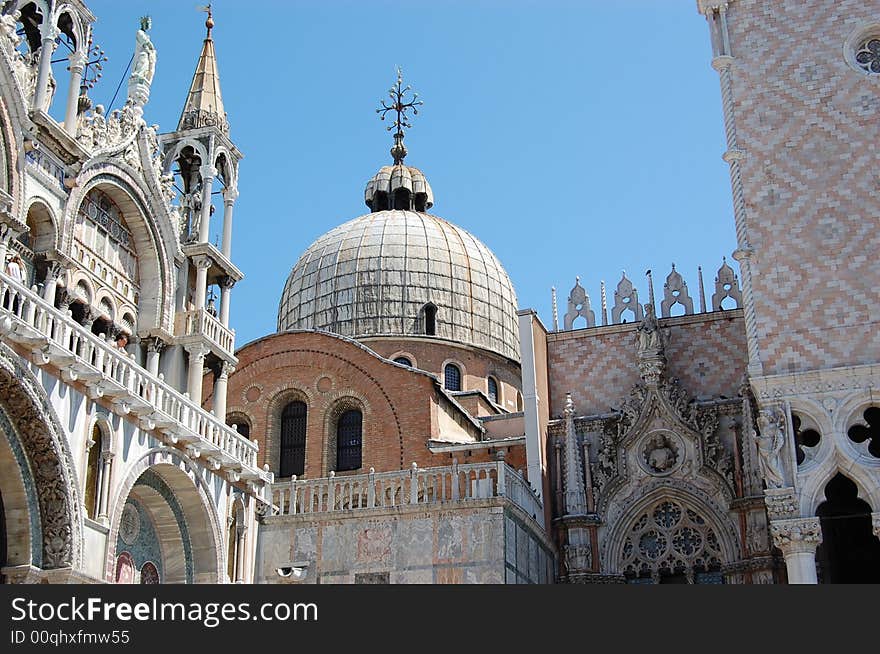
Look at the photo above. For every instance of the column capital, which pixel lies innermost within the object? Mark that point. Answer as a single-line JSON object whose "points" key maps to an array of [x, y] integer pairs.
{"points": [[197, 351], [202, 261], [226, 282], [107, 456], [230, 195], [707, 6], [875, 523], [796, 534], [781, 503], [208, 172], [224, 369], [77, 61], [155, 344], [49, 33]]}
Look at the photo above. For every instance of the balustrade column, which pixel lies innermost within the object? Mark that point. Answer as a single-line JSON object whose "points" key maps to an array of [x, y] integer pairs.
{"points": [[50, 33], [225, 292], [798, 539], [196, 372], [221, 383], [208, 173], [77, 63], [103, 500], [228, 204]]}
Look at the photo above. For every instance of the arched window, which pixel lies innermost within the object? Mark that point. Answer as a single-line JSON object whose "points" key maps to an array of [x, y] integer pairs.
{"points": [[104, 239], [403, 361], [149, 573], [430, 320], [93, 473], [452, 377], [293, 439], [348, 440], [493, 389], [519, 401]]}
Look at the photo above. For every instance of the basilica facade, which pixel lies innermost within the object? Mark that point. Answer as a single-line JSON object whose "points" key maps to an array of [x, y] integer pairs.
{"points": [[408, 422]]}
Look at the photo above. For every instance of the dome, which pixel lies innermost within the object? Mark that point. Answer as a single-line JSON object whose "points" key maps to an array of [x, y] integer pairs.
{"points": [[400, 272]]}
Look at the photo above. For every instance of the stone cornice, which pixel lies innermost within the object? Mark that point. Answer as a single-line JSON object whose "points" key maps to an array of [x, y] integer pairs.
{"points": [[816, 382]]}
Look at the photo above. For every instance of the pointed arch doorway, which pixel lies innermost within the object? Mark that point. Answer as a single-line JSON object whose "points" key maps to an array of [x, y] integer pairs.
{"points": [[849, 552]]}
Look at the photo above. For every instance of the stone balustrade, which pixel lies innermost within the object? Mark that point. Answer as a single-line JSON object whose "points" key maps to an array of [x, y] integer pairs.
{"points": [[54, 338], [201, 323], [416, 486]]}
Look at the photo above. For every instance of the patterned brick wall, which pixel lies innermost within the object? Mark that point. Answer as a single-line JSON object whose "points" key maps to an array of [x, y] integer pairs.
{"points": [[707, 352], [808, 124]]}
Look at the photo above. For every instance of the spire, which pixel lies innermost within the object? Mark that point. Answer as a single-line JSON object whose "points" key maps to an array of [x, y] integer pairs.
{"points": [[397, 93], [204, 104]]}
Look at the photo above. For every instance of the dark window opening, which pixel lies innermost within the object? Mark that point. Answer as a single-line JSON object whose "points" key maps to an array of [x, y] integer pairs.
{"points": [[430, 320], [93, 471], [402, 199], [101, 326], [493, 390], [293, 439], [403, 361], [452, 377], [348, 440], [849, 552], [421, 202], [241, 427]]}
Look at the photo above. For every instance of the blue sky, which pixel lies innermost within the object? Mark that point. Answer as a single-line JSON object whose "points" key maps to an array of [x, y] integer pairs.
{"points": [[573, 138]]}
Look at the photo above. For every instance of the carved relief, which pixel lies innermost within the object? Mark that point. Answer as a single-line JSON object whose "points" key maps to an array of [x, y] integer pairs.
{"points": [[661, 453]]}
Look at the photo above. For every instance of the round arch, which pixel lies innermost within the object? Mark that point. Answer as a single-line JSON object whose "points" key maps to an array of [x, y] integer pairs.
{"points": [[57, 528], [167, 483], [43, 235], [154, 269], [345, 401]]}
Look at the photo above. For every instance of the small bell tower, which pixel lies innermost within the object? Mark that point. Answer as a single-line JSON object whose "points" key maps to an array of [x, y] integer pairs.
{"points": [[203, 161]]}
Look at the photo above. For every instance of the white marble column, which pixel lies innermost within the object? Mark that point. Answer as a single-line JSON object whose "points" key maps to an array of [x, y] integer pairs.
{"points": [[229, 198], [202, 265], [798, 539], [154, 352], [5, 237], [196, 372], [50, 33], [103, 498], [225, 292], [208, 174], [240, 537], [77, 64], [221, 384], [51, 286]]}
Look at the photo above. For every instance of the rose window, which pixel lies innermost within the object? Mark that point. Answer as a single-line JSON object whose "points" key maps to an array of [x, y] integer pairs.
{"points": [[670, 541], [868, 55]]}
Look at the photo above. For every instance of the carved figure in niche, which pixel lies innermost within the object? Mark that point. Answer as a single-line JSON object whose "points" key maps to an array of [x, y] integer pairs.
{"points": [[648, 332], [769, 440], [99, 127], [195, 203], [660, 455]]}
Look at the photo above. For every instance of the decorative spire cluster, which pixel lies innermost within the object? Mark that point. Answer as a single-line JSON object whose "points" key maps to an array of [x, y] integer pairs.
{"points": [[400, 107]]}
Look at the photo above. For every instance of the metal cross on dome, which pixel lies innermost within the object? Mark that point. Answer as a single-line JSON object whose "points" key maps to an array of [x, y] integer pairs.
{"points": [[400, 107]]}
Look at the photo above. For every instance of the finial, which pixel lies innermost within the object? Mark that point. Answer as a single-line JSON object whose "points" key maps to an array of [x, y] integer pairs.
{"points": [[397, 93], [209, 21]]}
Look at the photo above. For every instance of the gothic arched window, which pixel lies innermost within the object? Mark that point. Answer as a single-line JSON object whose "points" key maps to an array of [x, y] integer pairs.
{"points": [[452, 377], [349, 440], [293, 439], [670, 543], [493, 389]]}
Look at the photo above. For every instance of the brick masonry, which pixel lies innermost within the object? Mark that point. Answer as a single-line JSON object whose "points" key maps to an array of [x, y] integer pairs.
{"points": [[808, 124]]}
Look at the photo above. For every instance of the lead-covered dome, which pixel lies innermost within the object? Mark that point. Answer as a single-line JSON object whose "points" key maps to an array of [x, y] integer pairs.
{"points": [[402, 272]]}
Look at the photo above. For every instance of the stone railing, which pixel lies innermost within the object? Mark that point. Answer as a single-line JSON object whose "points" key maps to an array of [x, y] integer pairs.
{"points": [[416, 486], [54, 338], [201, 323]]}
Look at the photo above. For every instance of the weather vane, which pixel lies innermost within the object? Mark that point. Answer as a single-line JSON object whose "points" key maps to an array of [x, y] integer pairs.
{"points": [[209, 21], [400, 107]]}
